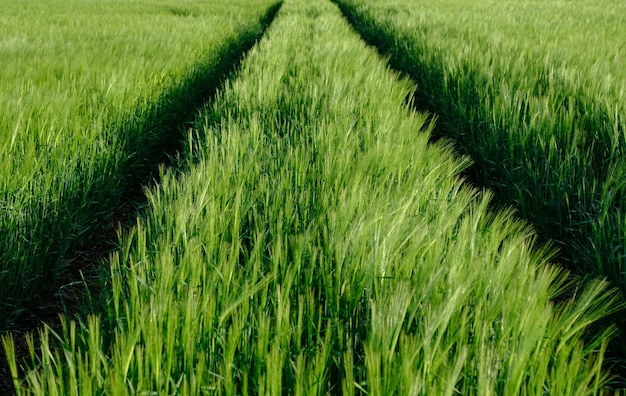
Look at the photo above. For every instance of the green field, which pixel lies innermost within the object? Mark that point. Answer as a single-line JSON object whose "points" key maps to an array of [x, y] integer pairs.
{"points": [[535, 93], [314, 237], [91, 98]]}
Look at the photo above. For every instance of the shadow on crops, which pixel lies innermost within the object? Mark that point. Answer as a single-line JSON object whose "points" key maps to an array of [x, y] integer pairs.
{"points": [[587, 245], [76, 238]]}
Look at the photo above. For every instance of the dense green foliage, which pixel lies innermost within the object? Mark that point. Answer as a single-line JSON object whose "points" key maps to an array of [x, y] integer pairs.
{"points": [[535, 93], [317, 244], [92, 94]]}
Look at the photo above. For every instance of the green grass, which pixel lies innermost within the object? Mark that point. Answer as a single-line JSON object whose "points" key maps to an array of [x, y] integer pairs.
{"points": [[317, 244], [534, 92], [92, 96]]}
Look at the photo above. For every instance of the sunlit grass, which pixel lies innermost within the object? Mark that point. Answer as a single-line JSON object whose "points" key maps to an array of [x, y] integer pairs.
{"points": [[91, 99], [317, 244], [534, 92]]}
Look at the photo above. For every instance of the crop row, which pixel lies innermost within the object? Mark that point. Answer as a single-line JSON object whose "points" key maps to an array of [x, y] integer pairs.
{"points": [[92, 96], [316, 243], [535, 93]]}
